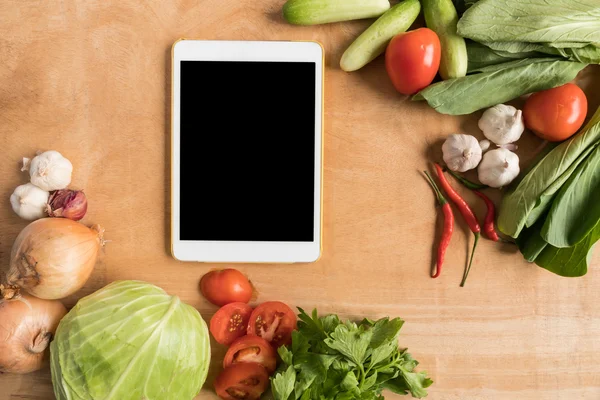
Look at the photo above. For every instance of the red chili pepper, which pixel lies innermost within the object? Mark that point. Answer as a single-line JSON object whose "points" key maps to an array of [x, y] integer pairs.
{"points": [[488, 224], [448, 226], [466, 212]]}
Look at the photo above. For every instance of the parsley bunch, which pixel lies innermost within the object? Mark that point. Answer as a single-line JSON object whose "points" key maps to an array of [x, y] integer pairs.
{"points": [[329, 359]]}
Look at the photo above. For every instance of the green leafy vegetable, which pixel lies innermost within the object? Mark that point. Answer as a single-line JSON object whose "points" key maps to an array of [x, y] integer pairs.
{"points": [[483, 56], [576, 210], [536, 190], [130, 340], [514, 47], [589, 54], [571, 261], [532, 21], [545, 199], [530, 241], [333, 360], [474, 92], [283, 384], [578, 52]]}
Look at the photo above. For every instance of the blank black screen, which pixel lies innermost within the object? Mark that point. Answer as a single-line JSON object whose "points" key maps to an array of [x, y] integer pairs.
{"points": [[247, 151]]}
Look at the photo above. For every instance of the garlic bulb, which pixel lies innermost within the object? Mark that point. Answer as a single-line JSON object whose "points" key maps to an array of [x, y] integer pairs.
{"points": [[29, 201], [462, 152], [498, 168], [502, 124], [50, 171]]}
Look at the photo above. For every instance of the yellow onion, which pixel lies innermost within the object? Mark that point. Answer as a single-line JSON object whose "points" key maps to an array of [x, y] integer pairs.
{"points": [[27, 326], [52, 258]]}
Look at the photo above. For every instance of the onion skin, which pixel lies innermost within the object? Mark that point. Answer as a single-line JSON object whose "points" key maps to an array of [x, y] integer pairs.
{"points": [[51, 258], [27, 327]]}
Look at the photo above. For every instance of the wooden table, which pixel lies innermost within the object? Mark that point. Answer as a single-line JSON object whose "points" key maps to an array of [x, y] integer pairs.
{"points": [[90, 79]]}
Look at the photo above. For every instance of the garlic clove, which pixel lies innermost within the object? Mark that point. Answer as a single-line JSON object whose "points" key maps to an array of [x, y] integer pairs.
{"points": [[26, 162], [484, 144], [50, 171], [29, 201]]}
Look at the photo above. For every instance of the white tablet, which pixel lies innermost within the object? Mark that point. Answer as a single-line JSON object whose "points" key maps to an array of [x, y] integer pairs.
{"points": [[246, 151]]}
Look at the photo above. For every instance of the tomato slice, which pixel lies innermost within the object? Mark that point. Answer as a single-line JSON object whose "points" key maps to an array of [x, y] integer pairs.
{"points": [[230, 322], [251, 349], [274, 321], [246, 381]]}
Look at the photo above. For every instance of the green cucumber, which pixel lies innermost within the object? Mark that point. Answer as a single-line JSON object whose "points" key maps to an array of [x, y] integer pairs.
{"points": [[314, 12], [373, 41], [441, 17]]}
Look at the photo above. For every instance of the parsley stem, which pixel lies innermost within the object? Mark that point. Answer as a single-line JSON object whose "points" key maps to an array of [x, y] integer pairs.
{"points": [[362, 375]]}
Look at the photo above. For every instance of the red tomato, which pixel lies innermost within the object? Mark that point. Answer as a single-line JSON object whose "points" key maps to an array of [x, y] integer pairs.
{"points": [[556, 114], [246, 381], [412, 60], [226, 286], [274, 322], [230, 322], [251, 349]]}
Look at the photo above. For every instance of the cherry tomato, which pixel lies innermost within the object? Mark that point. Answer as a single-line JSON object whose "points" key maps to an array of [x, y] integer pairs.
{"points": [[274, 321], [230, 322], [251, 349], [246, 381], [412, 60], [226, 286], [556, 114]]}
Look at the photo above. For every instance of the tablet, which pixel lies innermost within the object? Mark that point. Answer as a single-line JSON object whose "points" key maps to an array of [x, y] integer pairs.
{"points": [[246, 151]]}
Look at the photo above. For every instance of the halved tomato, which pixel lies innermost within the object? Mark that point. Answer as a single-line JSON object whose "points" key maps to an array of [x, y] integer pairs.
{"points": [[274, 321], [246, 381], [251, 349], [230, 322]]}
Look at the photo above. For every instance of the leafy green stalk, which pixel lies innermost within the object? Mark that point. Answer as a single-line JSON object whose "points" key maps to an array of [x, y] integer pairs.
{"points": [[497, 85], [532, 21], [535, 191], [572, 261], [576, 210]]}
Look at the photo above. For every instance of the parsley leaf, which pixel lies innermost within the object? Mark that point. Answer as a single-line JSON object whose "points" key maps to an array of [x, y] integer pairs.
{"points": [[334, 360], [351, 341], [283, 383]]}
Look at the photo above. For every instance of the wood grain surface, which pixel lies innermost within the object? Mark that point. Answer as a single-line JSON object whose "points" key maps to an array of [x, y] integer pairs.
{"points": [[90, 79]]}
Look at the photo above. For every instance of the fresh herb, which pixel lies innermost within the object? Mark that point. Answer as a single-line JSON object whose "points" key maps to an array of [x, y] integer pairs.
{"points": [[498, 84], [532, 21], [330, 359], [524, 204]]}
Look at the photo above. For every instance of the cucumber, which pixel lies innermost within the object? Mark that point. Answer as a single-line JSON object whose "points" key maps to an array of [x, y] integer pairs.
{"points": [[373, 41], [441, 17], [314, 12]]}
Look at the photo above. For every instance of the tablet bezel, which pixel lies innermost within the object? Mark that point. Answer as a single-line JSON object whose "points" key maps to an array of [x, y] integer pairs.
{"points": [[247, 251]]}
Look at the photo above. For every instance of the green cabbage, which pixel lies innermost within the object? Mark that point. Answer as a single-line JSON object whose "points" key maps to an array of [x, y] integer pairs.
{"points": [[130, 340]]}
